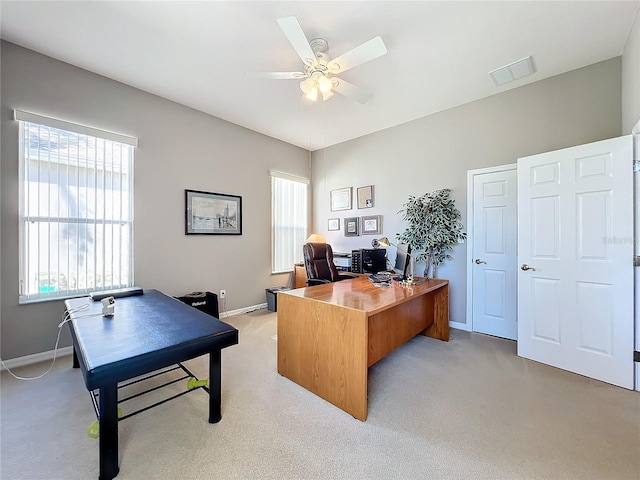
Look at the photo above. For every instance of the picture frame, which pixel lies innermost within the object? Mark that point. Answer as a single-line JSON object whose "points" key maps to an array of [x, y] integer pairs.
{"points": [[371, 225], [365, 196], [208, 213], [333, 224], [351, 227], [341, 199]]}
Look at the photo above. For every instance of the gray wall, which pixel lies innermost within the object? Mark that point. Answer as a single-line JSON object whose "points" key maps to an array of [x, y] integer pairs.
{"points": [[436, 152], [182, 148], [179, 148], [631, 79]]}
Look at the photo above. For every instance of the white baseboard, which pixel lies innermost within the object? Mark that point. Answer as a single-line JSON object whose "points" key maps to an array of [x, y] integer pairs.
{"points": [[240, 311], [35, 358], [460, 326]]}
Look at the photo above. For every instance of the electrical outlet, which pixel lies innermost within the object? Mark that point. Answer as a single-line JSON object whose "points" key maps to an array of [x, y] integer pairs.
{"points": [[223, 294]]}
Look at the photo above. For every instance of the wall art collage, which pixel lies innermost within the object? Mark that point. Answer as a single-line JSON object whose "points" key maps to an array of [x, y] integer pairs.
{"points": [[341, 200]]}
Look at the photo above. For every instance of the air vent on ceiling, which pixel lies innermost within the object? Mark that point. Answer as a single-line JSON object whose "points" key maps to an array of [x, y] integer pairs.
{"points": [[513, 71]]}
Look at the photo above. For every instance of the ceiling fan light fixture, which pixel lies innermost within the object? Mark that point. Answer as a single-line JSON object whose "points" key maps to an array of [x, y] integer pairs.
{"points": [[324, 84], [312, 94], [307, 85], [327, 95], [316, 76]]}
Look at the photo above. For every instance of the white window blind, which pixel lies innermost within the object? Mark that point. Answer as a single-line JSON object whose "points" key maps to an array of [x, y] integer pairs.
{"points": [[76, 209], [289, 198]]}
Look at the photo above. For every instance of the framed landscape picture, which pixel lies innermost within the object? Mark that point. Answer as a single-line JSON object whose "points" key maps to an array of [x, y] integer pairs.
{"points": [[210, 213]]}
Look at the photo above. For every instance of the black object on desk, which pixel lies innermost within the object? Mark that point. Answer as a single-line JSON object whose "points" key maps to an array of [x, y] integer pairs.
{"points": [[368, 260], [148, 332]]}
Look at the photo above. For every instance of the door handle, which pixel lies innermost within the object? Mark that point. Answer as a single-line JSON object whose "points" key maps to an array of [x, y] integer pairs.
{"points": [[526, 267], [478, 261]]}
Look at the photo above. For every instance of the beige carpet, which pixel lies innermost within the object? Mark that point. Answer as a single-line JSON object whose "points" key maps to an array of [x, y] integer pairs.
{"points": [[467, 409]]}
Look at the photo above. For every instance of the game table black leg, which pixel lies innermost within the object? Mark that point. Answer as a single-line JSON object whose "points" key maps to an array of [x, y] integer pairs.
{"points": [[109, 432], [215, 380], [76, 364]]}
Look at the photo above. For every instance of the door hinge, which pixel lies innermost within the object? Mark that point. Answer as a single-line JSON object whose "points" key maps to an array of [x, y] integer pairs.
{"points": [[636, 357], [636, 260]]}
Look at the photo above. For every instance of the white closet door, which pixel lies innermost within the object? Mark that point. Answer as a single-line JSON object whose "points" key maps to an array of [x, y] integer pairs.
{"points": [[494, 254]]}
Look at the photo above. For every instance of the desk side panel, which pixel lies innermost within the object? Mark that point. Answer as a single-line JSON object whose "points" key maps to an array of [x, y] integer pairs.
{"points": [[323, 348], [440, 327], [391, 328], [426, 314]]}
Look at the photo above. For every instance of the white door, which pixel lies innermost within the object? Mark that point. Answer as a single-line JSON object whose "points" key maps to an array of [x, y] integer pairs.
{"points": [[493, 252], [575, 247]]}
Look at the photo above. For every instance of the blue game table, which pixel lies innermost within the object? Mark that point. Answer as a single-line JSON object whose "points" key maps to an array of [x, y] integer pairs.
{"points": [[148, 332]]}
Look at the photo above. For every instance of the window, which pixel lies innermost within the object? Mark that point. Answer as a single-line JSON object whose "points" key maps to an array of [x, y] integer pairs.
{"points": [[288, 220], [76, 209]]}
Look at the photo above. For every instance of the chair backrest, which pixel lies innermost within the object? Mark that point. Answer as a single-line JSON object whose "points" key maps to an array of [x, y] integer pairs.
{"points": [[318, 260]]}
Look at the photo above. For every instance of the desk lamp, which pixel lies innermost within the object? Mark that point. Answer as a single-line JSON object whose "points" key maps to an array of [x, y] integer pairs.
{"points": [[315, 238], [385, 242]]}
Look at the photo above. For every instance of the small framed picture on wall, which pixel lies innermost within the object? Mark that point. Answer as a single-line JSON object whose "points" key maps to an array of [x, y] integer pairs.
{"points": [[341, 199], [333, 224], [372, 225], [365, 196], [351, 227]]}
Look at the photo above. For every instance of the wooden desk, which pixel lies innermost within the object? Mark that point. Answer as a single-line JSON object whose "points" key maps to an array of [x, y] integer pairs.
{"points": [[329, 335], [299, 276]]}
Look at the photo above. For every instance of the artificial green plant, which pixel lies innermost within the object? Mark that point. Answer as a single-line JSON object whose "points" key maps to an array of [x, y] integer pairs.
{"points": [[434, 228]]}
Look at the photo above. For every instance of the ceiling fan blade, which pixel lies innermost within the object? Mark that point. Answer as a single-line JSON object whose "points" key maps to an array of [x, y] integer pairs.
{"points": [[374, 48], [297, 38], [349, 90], [278, 75]]}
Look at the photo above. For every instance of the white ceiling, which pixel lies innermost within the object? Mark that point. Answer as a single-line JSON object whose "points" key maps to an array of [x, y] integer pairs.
{"points": [[199, 53]]}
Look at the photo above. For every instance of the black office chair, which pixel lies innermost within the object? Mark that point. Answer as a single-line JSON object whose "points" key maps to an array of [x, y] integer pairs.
{"points": [[318, 261]]}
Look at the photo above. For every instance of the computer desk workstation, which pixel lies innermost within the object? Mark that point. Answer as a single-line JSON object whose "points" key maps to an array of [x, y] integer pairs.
{"points": [[330, 334], [146, 333]]}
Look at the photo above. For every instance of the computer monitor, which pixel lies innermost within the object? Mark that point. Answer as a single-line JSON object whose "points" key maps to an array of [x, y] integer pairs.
{"points": [[402, 260]]}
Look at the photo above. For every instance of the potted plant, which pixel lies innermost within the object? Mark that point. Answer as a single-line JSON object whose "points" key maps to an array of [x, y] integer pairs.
{"points": [[435, 226]]}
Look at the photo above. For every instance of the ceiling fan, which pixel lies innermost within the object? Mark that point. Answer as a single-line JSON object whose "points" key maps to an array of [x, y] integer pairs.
{"points": [[318, 80]]}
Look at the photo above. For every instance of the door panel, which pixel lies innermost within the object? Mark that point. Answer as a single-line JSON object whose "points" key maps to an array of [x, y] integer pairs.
{"points": [[545, 220], [494, 231], [495, 286], [595, 324], [594, 224], [575, 222], [546, 309]]}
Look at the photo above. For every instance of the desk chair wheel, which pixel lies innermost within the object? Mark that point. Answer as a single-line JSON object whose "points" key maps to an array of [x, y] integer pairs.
{"points": [[193, 383], [94, 429]]}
